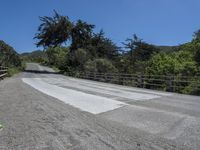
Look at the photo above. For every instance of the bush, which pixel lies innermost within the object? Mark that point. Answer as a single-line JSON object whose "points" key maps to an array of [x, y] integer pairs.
{"points": [[8, 56], [176, 63], [56, 55], [100, 66], [80, 56]]}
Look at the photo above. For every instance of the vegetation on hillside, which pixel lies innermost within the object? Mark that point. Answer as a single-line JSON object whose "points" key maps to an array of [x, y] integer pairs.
{"points": [[35, 56], [74, 47], [10, 58]]}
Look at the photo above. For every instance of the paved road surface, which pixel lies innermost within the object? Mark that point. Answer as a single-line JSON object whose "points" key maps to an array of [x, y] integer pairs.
{"points": [[41, 110]]}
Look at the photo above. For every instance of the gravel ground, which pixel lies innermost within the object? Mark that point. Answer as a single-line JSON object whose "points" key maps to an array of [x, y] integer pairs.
{"points": [[33, 120]]}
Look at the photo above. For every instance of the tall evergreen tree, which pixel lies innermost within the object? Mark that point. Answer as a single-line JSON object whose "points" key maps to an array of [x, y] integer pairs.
{"points": [[53, 31], [81, 34]]}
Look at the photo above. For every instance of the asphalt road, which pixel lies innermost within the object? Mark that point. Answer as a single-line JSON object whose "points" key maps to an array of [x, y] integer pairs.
{"points": [[42, 110]]}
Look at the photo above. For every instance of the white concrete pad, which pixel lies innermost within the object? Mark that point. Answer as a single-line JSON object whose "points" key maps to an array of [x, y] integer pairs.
{"points": [[86, 102], [119, 87], [136, 96]]}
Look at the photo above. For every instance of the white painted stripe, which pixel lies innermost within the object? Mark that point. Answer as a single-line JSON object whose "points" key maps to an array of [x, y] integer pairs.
{"points": [[86, 102], [120, 87], [135, 96]]}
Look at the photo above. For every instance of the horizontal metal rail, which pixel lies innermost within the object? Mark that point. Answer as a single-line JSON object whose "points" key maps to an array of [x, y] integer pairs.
{"points": [[3, 71], [171, 83]]}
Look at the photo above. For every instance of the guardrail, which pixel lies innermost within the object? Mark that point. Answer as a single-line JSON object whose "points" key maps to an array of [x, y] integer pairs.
{"points": [[3, 71], [170, 83]]}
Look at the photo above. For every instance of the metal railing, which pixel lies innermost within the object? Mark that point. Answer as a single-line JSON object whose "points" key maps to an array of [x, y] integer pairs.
{"points": [[3, 71], [171, 83]]}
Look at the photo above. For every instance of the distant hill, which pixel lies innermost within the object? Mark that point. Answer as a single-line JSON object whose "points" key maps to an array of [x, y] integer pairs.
{"points": [[168, 48], [35, 56], [37, 53]]}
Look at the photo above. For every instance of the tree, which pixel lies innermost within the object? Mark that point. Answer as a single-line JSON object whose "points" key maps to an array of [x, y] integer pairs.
{"points": [[175, 63], [197, 56], [197, 35], [81, 34], [53, 31], [139, 50], [133, 42], [57, 56], [137, 53], [77, 59], [103, 47]]}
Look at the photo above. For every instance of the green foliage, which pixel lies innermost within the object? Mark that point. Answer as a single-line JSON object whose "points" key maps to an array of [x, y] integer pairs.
{"points": [[197, 35], [37, 56], [197, 56], [75, 60], [93, 52], [175, 63], [57, 56], [100, 66], [195, 48], [180, 63], [80, 57], [102, 47], [8, 56], [124, 65], [139, 50], [1, 127], [12, 71], [53, 31], [81, 34]]}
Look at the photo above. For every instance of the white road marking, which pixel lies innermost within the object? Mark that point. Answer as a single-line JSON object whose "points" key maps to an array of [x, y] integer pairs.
{"points": [[86, 102], [120, 87], [135, 96]]}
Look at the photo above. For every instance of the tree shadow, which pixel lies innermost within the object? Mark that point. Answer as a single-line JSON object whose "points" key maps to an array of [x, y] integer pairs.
{"points": [[40, 72]]}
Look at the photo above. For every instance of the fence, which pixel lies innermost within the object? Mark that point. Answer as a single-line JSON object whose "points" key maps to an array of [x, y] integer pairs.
{"points": [[179, 84], [3, 71]]}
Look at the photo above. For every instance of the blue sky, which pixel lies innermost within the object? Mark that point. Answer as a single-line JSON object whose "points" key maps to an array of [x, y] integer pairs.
{"points": [[161, 22]]}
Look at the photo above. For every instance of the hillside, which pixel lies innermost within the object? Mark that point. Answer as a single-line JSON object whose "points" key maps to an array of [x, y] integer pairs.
{"points": [[8, 56], [168, 48], [35, 56]]}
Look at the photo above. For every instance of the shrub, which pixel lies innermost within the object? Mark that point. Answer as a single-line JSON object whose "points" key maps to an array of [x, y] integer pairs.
{"points": [[100, 66]]}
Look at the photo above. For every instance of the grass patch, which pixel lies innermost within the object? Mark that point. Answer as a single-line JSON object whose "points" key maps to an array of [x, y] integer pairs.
{"points": [[1, 127], [15, 70], [55, 69]]}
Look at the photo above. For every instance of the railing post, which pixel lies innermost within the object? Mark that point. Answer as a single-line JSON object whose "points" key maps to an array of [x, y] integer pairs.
{"points": [[105, 77], [3, 71], [140, 80], [95, 76], [170, 83], [170, 87]]}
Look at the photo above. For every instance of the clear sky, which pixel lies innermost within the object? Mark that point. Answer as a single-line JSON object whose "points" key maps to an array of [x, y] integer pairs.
{"points": [[161, 22]]}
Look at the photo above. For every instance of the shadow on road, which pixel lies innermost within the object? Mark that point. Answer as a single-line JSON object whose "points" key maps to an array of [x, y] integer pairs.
{"points": [[40, 72]]}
